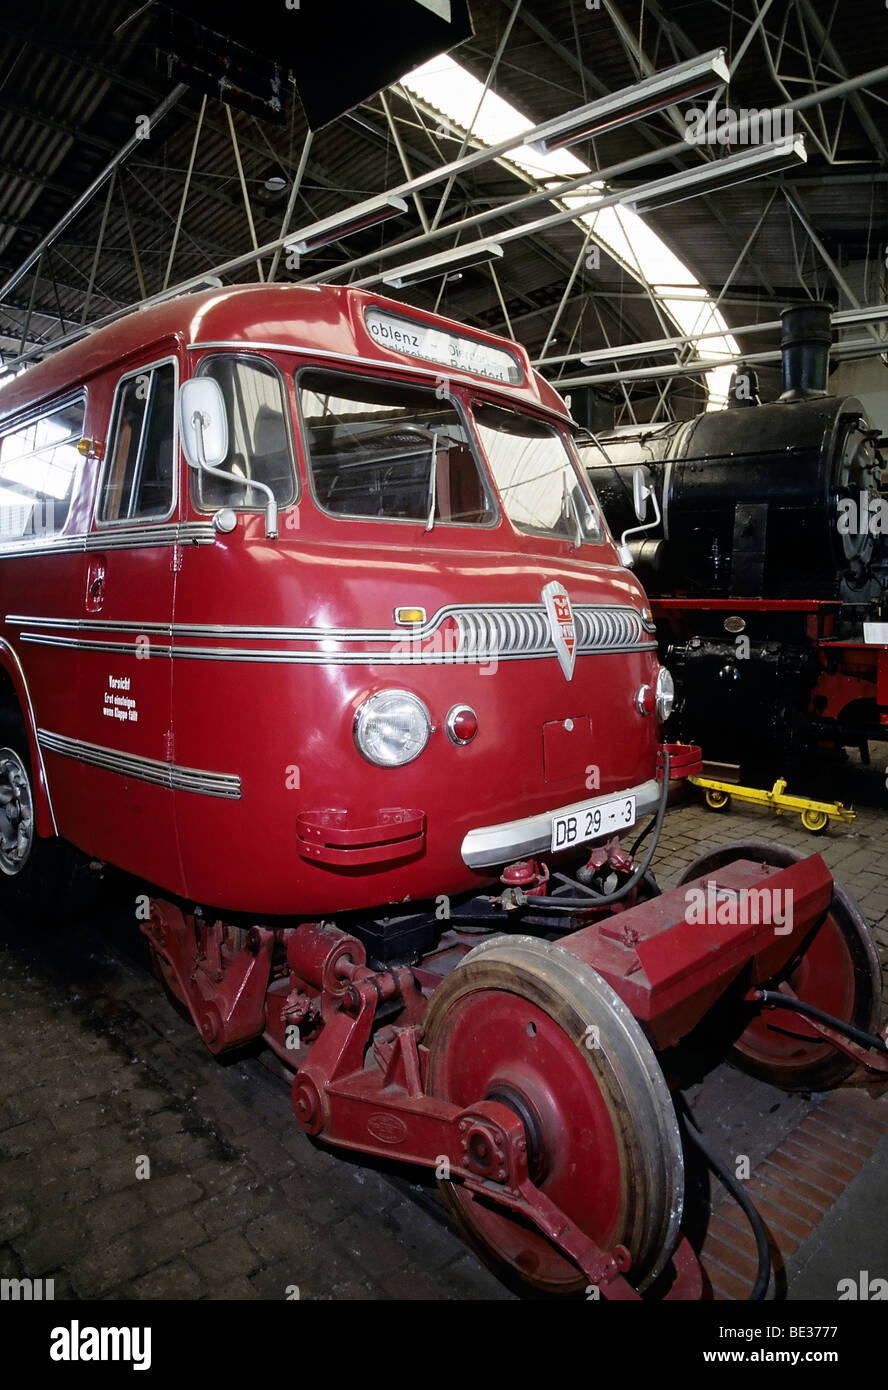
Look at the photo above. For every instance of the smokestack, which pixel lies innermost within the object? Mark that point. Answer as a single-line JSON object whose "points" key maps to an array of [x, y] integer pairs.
{"points": [[805, 340]]}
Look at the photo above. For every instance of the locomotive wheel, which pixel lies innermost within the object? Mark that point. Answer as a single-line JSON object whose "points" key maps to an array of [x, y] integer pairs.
{"points": [[524, 1022], [837, 970], [815, 821], [716, 800]]}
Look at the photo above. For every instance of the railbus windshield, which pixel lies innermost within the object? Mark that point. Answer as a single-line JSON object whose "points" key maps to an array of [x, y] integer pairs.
{"points": [[371, 446], [404, 453], [536, 476]]}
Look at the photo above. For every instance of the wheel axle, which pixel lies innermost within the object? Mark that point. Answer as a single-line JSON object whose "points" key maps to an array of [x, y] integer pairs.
{"points": [[526, 1077]]}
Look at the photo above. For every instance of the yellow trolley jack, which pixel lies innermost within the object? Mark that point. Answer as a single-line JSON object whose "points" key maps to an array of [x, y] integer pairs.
{"points": [[815, 815]]}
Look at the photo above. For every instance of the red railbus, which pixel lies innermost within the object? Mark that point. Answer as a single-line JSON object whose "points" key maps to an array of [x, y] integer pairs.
{"points": [[311, 620]]}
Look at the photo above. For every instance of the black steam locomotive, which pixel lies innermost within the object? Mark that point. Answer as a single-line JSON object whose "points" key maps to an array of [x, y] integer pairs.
{"points": [[767, 565]]}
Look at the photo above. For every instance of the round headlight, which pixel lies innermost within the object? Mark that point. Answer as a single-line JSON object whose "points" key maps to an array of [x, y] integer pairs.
{"points": [[392, 728], [665, 694]]}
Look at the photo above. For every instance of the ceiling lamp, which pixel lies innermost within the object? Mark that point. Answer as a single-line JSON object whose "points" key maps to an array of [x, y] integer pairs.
{"points": [[344, 224], [717, 174], [444, 263], [661, 89]]}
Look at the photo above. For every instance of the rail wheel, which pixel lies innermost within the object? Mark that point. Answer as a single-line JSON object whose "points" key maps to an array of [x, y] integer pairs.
{"points": [[169, 984], [717, 800], [232, 940], [837, 970], [815, 821], [523, 1022]]}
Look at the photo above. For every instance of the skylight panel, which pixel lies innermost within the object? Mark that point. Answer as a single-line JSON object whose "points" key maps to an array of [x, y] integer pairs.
{"points": [[452, 91]]}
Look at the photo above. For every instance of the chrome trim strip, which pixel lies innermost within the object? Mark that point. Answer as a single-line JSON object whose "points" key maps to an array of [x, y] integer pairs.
{"points": [[37, 639], [142, 537], [495, 629], [12, 652], [88, 625], [492, 845], [169, 775], [394, 657]]}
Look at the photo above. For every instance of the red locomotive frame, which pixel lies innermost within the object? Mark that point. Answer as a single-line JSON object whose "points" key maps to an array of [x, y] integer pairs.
{"points": [[188, 699]]}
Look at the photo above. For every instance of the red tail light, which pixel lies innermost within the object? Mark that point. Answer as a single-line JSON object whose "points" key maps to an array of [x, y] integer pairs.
{"points": [[461, 724]]}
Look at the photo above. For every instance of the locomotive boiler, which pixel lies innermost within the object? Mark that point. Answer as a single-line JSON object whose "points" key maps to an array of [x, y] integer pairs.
{"points": [[767, 563]]}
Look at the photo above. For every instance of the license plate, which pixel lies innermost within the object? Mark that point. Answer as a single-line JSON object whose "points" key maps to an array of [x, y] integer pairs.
{"points": [[589, 822]]}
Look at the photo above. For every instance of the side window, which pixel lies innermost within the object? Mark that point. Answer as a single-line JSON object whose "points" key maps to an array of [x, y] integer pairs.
{"points": [[139, 478], [258, 435], [38, 466]]}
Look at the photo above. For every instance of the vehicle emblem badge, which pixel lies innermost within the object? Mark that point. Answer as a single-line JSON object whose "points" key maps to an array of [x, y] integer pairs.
{"points": [[561, 625]]}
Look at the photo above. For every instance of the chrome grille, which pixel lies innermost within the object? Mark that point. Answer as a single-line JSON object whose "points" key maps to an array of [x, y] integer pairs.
{"points": [[525, 631], [601, 628]]}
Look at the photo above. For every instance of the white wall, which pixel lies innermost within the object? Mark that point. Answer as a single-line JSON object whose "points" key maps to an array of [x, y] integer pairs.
{"points": [[866, 379]]}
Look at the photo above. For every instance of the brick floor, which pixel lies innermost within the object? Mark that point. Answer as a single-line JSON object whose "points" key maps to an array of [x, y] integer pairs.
{"points": [[100, 1075], [793, 1190]]}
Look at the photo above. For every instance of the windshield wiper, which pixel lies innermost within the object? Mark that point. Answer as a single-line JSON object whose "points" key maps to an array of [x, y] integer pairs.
{"points": [[570, 508], [433, 483]]}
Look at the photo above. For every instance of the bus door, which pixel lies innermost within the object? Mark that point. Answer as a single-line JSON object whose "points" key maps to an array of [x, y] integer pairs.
{"points": [[126, 676], [230, 692]]}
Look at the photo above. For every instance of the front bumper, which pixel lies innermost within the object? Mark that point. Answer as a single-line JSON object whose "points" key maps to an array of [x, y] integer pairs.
{"points": [[492, 845]]}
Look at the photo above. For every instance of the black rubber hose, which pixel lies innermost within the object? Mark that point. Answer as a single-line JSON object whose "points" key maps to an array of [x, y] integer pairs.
{"points": [[773, 996], [760, 1288], [643, 836], [593, 899]]}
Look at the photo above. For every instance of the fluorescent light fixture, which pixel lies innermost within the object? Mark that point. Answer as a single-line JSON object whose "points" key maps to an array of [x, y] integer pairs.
{"points": [[654, 93], [839, 352], [869, 313], [843, 318], [847, 348], [718, 173], [343, 224], [654, 346], [195, 286], [460, 258]]}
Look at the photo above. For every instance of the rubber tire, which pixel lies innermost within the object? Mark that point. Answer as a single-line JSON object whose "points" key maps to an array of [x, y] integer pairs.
{"points": [[714, 800], [819, 827], [39, 888]]}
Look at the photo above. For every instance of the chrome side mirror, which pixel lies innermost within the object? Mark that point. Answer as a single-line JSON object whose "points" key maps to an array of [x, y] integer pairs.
{"points": [[203, 422], [642, 489]]}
